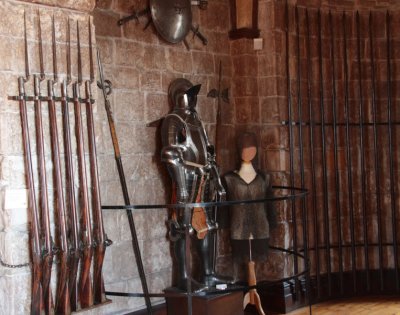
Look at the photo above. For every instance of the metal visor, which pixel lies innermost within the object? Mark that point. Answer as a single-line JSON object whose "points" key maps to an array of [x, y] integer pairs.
{"points": [[172, 18]]}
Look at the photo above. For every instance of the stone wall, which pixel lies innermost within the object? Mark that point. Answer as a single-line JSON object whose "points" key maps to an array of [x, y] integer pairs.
{"points": [[141, 65]]}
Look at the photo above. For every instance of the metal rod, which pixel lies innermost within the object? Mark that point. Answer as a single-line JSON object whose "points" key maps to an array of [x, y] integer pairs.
{"points": [[363, 177], [124, 186], [41, 55], [391, 161], [312, 158], [335, 153], [343, 124], [348, 153], [301, 153], [324, 171], [291, 138], [376, 153]]}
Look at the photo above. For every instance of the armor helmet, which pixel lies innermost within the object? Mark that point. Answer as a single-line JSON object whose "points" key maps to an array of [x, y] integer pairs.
{"points": [[172, 18], [183, 94]]}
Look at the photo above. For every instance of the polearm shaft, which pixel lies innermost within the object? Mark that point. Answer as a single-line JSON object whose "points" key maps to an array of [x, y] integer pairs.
{"points": [[85, 282], [74, 250], [124, 187]]}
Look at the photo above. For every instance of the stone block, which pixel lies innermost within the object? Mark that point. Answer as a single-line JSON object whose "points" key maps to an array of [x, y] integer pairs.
{"points": [[203, 63], [128, 53], [18, 287], [106, 23], [178, 60], [157, 255], [150, 81], [245, 65], [157, 106], [215, 17]]}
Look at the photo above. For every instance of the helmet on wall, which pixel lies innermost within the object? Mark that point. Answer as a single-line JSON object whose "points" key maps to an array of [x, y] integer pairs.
{"points": [[172, 18]]}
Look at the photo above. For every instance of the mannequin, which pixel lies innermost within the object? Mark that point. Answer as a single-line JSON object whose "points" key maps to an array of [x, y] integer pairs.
{"points": [[249, 224]]}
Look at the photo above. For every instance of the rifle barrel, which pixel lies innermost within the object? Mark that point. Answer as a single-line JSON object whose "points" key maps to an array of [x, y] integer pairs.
{"points": [[43, 201], [37, 293], [98, 228], [71, 203], [62, 293], [85, 283]]}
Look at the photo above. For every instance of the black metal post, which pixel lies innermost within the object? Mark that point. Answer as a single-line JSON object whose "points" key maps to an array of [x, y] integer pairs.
{"points": [[376, 153], [291, 140], [324, 171], [363, 177], [301, 153], [312, 159], [335, 154], [389, 115], [348, 154]]}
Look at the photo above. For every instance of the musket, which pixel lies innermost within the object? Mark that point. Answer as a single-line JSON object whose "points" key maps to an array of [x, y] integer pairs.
{"points": [[43, 199], [118, 160], [37, 304], [98, 228], [62, 292], [85, 282], [72, 223]]}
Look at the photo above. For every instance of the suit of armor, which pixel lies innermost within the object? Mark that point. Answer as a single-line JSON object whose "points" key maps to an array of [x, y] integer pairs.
{"points": [[191, 164]]}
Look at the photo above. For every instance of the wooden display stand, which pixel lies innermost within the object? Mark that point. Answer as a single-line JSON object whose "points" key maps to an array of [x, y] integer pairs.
{"points": [[218, 304]]}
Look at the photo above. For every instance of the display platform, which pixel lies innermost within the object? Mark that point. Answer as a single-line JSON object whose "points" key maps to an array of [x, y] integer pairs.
{"points": [[230, 303]]}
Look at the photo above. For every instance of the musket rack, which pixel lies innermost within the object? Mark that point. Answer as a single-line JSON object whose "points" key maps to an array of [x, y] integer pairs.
{"points": [[80, 241]]}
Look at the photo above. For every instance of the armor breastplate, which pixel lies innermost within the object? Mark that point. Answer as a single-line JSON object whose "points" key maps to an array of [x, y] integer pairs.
{"points": [[196, 144]]}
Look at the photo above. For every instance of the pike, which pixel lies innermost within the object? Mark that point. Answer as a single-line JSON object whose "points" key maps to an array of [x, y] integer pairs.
{"points": [[74, 253], [63, 305], [118, 160], [85, 282], [98, 228], [43, 199], [35, 241]]}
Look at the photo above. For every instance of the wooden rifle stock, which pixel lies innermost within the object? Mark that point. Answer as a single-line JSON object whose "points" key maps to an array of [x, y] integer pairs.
{"points": [[36, 251], [98, 228], [72, 223], [85, 283], [44, 205], [62, 293]]}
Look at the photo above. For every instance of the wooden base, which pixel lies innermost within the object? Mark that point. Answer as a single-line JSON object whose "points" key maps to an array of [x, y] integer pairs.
{"points": [[218, 304]]}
